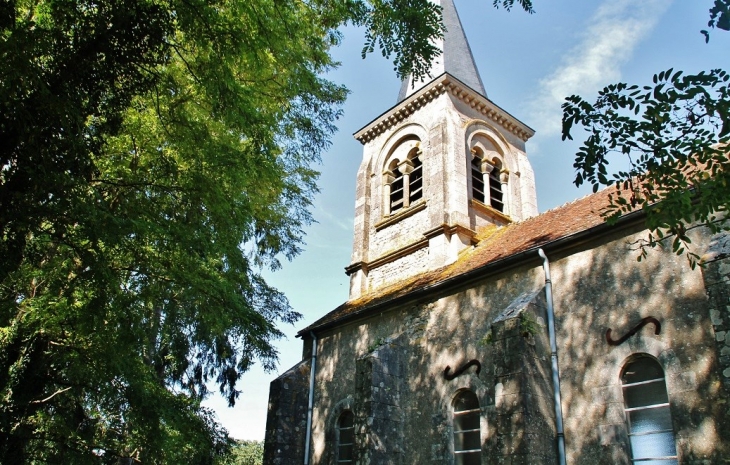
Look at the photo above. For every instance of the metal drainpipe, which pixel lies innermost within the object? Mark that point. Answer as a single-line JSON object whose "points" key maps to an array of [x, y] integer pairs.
{"points": [[310, 409], [554, 357]]}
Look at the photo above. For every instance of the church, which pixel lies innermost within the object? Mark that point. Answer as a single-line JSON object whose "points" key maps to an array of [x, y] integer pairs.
{"points": [[478, 331]]}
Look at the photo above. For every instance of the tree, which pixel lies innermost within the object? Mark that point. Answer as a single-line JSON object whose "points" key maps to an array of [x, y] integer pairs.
{"points": [[245, 453], [154, 157], [675, 135]]}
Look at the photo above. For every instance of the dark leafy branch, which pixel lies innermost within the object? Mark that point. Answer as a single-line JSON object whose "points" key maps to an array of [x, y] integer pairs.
{"points": [[673, 137], [719, 17]]}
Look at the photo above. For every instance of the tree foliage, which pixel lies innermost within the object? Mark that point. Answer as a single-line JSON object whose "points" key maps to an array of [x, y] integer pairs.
{"points": [[154, 157], [244, 453], [674, 135]]}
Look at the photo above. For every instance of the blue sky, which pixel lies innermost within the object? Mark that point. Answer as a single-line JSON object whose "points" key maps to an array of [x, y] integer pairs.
{"points": [[529, 64]]}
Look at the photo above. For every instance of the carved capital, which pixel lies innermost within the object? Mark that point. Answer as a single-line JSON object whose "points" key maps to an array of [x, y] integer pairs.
{"points": [[486, 167], [406, 166]]}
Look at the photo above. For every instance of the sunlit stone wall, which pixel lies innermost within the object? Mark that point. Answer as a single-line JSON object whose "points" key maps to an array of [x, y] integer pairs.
{"points": [[597, 285]]}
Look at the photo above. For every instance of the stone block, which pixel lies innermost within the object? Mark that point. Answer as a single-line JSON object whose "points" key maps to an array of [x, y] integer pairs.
{"points": [[381, 410], [607, 394], [507, 404], [613, 434], [684, 382]]}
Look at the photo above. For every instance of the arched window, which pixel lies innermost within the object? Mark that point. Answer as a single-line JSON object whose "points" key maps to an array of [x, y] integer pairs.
{"points": [[488, 175], [467, 431], [345, 437], [647, 412], [496, 196], [403, 181]]}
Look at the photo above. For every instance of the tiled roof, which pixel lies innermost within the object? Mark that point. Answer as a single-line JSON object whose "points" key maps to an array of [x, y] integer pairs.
{"points": [[495, 245]]}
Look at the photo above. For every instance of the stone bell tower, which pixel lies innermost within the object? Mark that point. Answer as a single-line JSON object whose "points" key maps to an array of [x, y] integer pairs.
{"points": [[442, 164]]}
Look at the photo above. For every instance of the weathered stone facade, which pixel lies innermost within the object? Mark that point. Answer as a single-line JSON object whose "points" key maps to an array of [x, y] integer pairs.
{"points": [[717, 283], [287, 416], [446, 133], [448, 297], [388, 366]]}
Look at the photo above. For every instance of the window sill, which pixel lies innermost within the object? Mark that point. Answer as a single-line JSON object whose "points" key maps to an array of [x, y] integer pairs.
{"points": [[490, 211], [401, 214]]}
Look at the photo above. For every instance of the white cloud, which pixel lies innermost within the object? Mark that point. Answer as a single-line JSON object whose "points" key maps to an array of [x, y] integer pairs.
{"points": [[343, 223], [605, 46]]}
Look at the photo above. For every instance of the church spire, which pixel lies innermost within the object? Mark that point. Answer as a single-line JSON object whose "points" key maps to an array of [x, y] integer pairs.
{"points": [[455, 59]]}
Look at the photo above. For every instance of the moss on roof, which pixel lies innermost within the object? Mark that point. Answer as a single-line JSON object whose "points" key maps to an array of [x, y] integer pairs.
{"points": [[494, 244]]}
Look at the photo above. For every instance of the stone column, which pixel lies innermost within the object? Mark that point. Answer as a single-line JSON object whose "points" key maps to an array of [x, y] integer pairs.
{"points": [[406, 168], [388, 178], [503, 179], [486, 169]]}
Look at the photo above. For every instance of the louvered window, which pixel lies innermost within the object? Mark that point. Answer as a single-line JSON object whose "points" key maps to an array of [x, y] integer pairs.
{"points": [[477, 180], [396, 191], [495, 190], [415, 184], [647, 412], [467, 431]]}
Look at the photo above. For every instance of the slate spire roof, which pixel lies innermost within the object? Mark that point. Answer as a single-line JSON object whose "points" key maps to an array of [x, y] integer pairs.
{"points": [[455, 59]]}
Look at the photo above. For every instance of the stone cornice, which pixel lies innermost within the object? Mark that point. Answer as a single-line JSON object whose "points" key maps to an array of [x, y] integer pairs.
{"points": [[440, 85], [491, 211], [355, 267], [396, 217], [450, 230], [388, 257], [419, 244], [396, 254]]}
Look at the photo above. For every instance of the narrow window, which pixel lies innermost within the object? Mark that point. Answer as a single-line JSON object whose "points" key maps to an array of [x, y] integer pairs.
{"points": [[467, 434], [647, 412], [495, 189], [345, 437], [396, 191], [415, 185], [477, 179]]}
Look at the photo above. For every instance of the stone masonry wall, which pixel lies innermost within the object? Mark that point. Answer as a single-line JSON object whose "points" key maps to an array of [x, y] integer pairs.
{"points": [[393, 237], [523, 419], [597, 286], [393, 272], [286, 420], [716, 273], [379, 419], [603, 287]]}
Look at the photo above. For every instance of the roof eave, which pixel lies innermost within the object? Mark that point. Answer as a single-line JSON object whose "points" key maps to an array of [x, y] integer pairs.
{"points": [[497, 266], [439, 85]]}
